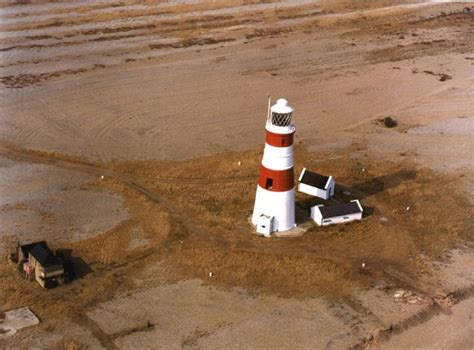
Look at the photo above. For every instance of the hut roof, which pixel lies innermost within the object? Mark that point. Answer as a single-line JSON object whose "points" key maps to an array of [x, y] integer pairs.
{"points": [[314, 179], [45, 256], [340, 209]]}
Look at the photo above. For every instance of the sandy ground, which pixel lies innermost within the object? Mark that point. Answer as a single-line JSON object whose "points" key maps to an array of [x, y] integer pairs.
{"points": [[427, 335], [163, 99], [453, 327], [41, 201]]}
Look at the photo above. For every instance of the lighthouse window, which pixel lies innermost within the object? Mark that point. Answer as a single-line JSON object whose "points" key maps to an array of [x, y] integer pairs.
{"points": [[281, 119], [283, 142], [268, 184]]}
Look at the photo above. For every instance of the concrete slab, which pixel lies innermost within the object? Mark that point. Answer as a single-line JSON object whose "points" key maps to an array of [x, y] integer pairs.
{"points": [[16, 320]]}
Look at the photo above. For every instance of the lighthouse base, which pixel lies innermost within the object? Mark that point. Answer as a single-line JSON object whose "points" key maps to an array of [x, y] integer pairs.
{"points": [[277, 205]]}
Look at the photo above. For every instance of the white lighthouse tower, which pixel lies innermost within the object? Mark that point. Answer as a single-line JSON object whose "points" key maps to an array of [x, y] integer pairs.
{"points": [[274, 208]]}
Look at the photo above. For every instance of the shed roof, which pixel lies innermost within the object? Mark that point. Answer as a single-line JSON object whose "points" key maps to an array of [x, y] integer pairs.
{"points": [[26, 248], [45, 256], [314, 179], [340, 209]]}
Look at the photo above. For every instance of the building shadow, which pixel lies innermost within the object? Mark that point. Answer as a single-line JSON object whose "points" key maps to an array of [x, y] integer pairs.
{"points": [[74, 267], [360, 191], [378, 184], [303, 208], [302, 214]]}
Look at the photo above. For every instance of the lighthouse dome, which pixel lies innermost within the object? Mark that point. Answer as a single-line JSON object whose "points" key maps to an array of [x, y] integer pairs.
{"points": [[282, 107], [280, 115]]}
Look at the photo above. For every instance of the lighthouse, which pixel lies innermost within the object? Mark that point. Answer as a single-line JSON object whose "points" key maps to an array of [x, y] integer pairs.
{"points": [[274, 208]]}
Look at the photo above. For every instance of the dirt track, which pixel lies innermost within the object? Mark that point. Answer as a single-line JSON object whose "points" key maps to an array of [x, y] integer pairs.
{"points": [[164, 99]]}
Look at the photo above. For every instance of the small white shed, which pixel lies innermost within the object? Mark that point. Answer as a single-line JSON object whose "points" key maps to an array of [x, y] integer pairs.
{"points": [[336, 214], [265, 225], [316, 185]]}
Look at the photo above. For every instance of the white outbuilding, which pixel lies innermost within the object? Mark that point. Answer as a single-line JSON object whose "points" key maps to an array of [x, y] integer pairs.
{"points": [[265, 225], [316, 185], [336, 214]]}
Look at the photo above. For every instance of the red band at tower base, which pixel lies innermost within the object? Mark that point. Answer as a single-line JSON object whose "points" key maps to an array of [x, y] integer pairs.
{"points": [[276, 180], [279, 140]]}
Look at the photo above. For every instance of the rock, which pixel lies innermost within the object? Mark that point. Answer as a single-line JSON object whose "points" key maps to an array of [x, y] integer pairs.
{"points": [[389, 122], [383, 219], [399, 293], [346, 193], [444, 77], [211, 274], [380, 285]]}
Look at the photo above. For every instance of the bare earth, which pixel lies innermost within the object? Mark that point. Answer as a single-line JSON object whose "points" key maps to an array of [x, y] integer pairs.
{"points": [[164, 98]]}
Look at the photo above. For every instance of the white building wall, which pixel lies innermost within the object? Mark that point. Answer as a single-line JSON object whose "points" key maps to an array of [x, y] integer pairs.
{"points": [[277, 158], [341, 219], [331, 185], [265, 225], [313, 191], [317, 217], [280, 205]]}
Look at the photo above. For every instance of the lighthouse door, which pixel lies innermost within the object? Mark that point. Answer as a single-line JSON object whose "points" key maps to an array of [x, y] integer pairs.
{"points": [[268, 183]]}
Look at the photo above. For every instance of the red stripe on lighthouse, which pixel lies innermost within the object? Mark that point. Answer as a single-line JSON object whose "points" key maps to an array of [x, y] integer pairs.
{"points": [[279, 140], [276, 180]]}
